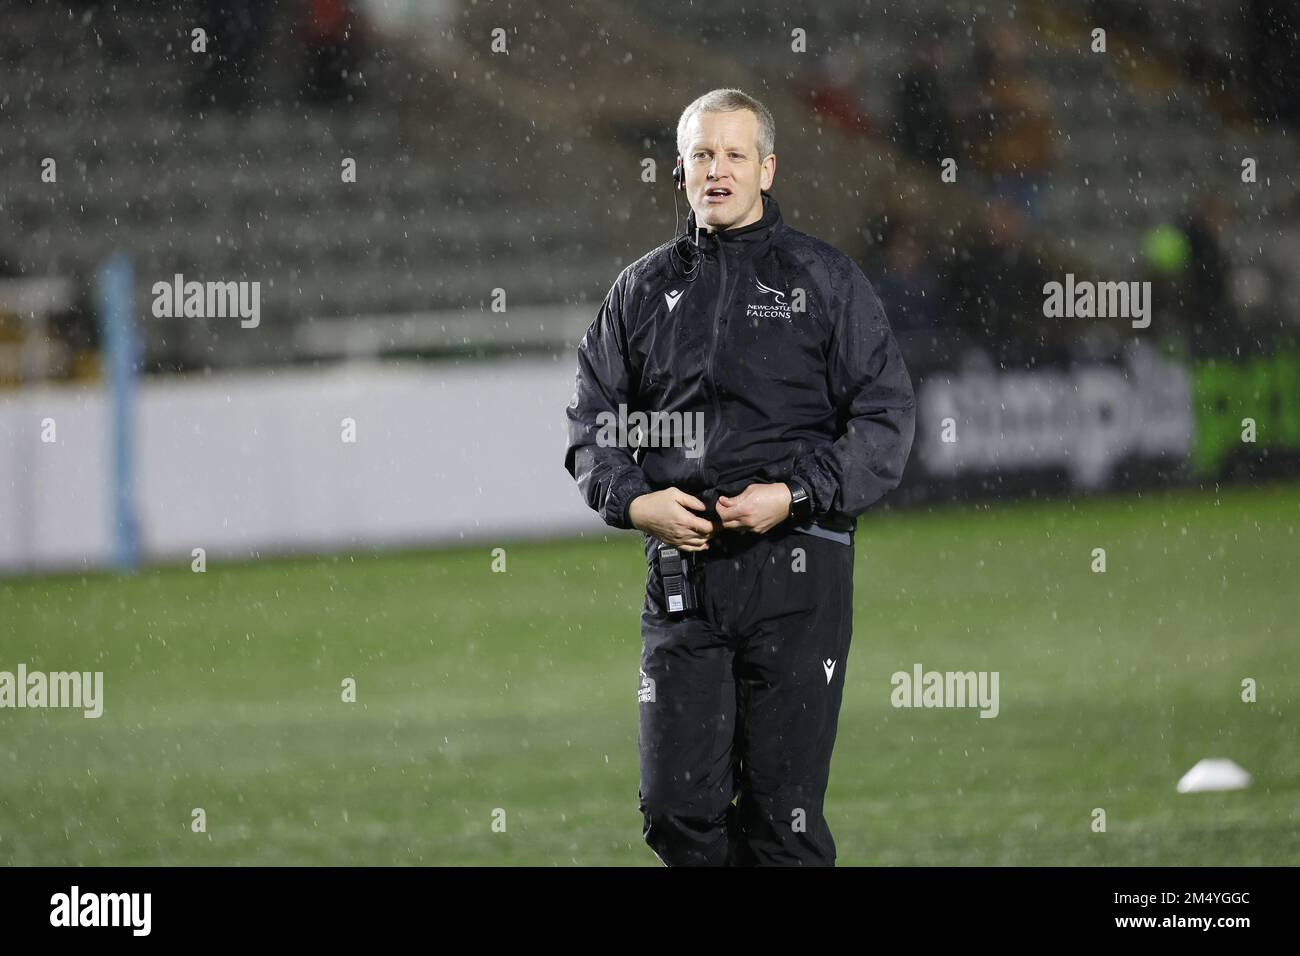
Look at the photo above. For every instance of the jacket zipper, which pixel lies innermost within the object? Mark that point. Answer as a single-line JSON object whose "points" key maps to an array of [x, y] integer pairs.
{"points": [[713, 351]]}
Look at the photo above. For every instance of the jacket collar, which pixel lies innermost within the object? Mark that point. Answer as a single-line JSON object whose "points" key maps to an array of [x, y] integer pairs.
{"points": [[747, 238]]}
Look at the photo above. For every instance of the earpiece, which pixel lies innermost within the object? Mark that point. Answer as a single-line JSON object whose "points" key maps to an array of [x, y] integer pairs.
{"points": [[689, 254], [683, 248]]}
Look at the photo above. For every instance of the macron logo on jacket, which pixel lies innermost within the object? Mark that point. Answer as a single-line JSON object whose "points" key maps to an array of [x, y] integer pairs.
{"points": [[672, 298]]}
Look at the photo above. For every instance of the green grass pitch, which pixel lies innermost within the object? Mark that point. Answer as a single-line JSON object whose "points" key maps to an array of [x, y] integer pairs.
{"points": [[479, 690]]}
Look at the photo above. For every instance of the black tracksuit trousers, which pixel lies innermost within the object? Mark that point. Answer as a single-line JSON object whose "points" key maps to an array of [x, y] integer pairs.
{"points": [[741, 698]]}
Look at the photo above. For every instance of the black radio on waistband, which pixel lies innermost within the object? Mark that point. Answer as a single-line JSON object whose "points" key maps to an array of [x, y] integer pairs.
{"points": [[675, 569]]}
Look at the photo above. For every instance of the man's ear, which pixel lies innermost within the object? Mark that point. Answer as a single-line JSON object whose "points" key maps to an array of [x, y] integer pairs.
{"points": [[768, 173]]}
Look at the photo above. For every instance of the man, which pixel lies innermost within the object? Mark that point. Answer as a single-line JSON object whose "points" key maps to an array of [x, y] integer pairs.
{"points": [[776, 342]]}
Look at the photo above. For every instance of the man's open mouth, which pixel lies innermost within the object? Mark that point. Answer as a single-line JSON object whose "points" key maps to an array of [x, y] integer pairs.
{"points": [[718, 194]]}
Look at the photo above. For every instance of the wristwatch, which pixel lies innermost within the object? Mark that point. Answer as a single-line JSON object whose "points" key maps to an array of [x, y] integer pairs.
{"points": [[800, 503]]}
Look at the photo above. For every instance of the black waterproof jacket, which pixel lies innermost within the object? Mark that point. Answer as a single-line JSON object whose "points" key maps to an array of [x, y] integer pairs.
{"points": [[778, 347]]}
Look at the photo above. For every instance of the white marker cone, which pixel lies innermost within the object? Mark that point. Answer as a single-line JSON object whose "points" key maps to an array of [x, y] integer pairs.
{"points": [[1214, 773]]}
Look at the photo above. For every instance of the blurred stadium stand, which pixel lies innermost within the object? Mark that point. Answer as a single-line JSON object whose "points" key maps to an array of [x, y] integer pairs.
{"points": [[258, 195], [479, 171]]}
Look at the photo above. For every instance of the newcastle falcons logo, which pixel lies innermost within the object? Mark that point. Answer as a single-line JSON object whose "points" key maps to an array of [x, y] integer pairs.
{"points": [[780, 296], [776, 309]]}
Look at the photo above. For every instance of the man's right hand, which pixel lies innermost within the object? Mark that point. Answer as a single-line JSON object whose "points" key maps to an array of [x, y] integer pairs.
{"points": [[664, 515]]}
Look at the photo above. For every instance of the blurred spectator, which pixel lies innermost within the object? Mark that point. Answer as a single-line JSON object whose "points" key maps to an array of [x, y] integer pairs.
{"points": [[1273, 59], [996, 288], [109, 26], [60, 340], [12, 331], [1165, 254], [332, 33], [1123, 16], [922, 116], [832, 92], [1204, 298], [1192, 280], [1009, 110], [235, 29], [76, 329], [909, 285]]}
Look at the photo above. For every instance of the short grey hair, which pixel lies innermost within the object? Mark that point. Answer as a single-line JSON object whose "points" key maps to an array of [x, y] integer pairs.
{"points": [[725, 101]]}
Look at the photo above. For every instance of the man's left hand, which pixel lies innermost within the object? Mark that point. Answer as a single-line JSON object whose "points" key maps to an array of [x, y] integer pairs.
{"points": [[758, 508]]}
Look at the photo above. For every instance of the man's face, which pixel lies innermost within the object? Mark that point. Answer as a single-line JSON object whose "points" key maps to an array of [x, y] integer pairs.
{"points": [[725, 175]]}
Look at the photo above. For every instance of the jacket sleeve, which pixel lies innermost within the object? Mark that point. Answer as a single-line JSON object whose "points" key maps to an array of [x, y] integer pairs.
{"points": [[607, 475], [872, 392]]}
